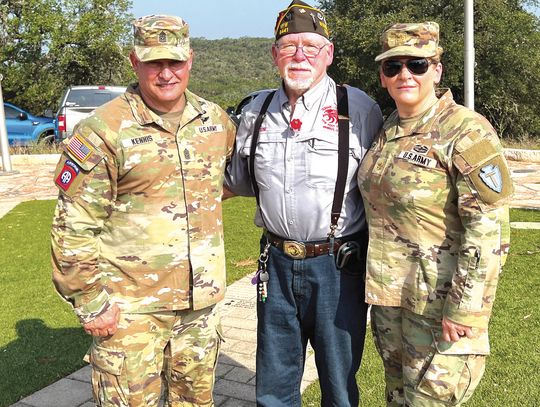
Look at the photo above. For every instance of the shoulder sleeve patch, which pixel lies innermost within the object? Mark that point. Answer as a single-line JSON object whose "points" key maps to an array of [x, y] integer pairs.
{"points": [[78, 160], [492, 180], [66, 174]]}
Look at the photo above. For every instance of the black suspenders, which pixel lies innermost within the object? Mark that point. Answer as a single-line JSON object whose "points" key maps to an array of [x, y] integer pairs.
{"points": [[343, 153], [253, 147], [343, 157]]}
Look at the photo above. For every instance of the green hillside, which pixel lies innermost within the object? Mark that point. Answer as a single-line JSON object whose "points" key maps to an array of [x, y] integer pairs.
{"points": [[225, 70]]}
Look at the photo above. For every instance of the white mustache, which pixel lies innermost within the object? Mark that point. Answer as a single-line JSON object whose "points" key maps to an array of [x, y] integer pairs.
{"points": [[300, 65]]}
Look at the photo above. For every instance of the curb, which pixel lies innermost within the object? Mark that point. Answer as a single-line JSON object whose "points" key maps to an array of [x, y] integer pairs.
{"points": [[26, 159], [515, 154], [525, 225]]}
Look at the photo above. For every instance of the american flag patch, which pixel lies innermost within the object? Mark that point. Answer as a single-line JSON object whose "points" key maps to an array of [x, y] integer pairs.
{"points": [[79, 147]]}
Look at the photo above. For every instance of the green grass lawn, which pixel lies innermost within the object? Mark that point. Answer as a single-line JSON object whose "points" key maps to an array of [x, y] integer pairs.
{"points": [[40, 339], [512, 377]]}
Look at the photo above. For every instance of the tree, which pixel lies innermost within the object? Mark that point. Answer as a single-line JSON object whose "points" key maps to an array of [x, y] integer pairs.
{"points": [[47, 45], [226, 70], [507, 90]]}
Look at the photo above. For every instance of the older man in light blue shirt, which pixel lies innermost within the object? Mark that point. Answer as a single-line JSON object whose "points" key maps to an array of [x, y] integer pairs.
{"points": [[311, 283]]}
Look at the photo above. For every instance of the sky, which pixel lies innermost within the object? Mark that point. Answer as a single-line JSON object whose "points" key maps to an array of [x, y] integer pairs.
{"points": [[215, 19]]}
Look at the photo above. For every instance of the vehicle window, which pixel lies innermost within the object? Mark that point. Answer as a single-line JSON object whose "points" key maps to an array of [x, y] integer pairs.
{"points": [[11, 113], [90, 97]]}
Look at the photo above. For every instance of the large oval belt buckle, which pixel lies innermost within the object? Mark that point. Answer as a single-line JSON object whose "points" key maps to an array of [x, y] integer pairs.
{"points": [[295, 250]]}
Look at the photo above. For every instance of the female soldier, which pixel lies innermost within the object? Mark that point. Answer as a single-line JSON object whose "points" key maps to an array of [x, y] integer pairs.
{"points": [[434, 185]]}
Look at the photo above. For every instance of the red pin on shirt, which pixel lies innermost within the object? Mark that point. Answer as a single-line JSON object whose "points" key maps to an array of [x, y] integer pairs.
{"points": [[296, 124]]}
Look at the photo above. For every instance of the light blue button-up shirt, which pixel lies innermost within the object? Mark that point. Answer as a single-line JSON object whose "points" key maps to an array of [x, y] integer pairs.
{"points": [[296, 165]]}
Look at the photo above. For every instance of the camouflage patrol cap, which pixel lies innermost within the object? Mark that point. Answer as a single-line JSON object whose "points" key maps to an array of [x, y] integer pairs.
{"points": [[410, 39], [161, 37], [300, 17]]}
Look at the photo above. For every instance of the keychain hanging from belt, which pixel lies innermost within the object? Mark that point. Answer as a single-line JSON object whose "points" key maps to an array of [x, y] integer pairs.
{"points": [[262, 277]]}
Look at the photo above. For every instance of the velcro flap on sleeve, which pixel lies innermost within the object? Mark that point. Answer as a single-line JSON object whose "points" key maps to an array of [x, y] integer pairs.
{"points": [[83, 152], [474, 156], [107, 360]]}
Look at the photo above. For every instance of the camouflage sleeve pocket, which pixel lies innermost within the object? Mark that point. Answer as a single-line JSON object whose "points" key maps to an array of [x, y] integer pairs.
{"points": [[78, 160], [486, 172]]}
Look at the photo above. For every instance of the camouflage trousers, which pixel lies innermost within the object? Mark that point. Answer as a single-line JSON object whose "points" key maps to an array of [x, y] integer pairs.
{"points": [[421, 369], [173, 353]]}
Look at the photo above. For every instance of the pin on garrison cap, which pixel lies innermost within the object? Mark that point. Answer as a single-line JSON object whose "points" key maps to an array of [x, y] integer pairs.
{"points": [[410, 39], [161, 37], [300, 17]]}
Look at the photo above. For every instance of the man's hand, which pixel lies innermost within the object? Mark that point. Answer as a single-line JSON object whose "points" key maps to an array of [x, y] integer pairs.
{"points": [[453, 332], [104, 325]]}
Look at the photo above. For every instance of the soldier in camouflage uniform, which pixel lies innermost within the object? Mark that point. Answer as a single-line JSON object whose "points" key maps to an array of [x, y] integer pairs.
{"points": [[434, 185], [137, 237]]}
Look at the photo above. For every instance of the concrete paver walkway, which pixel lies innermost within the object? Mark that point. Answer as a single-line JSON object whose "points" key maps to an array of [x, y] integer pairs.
{"points": [[235, 374], [235, 379]]}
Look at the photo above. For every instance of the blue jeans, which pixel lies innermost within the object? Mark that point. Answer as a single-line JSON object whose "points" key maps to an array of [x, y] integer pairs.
{"points": [[311, 300]]}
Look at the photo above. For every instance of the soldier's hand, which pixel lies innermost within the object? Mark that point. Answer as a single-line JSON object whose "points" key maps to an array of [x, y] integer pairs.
{"points": [[104, 325], [453, 332]]}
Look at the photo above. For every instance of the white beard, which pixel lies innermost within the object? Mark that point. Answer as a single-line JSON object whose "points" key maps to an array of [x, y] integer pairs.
{"points": [[298, 85]]}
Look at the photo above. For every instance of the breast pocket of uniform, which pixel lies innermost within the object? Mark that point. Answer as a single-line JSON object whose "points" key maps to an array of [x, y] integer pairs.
{"points": [[322, 162], [269, 158]]}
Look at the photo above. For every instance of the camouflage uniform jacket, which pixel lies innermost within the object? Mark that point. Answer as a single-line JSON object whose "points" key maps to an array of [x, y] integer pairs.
{"points": [[434, 193], [138, 220]]}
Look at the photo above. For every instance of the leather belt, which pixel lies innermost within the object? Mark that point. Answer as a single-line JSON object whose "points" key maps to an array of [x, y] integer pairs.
{"points": [[301, 250]]}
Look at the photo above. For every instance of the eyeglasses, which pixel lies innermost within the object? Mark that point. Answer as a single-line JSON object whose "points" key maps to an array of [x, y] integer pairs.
{"points": [[417, 66], [309, 51]]}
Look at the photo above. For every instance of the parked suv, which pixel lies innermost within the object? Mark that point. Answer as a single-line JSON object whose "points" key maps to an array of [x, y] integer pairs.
{"points": [[24, 128], [78, 102]]}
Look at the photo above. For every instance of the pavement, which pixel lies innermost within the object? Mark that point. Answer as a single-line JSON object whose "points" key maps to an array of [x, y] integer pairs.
{"points": [[235, 376]]}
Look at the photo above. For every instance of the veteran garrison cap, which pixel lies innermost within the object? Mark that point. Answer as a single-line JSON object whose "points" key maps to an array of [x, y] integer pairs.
{"points": [[410, 39], [300, 17], [161, 37]]}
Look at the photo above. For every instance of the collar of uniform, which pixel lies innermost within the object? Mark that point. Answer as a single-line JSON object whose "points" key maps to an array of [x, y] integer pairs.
{"points": [[310, 97], [145, 116], [193, 108], [425, 122]]}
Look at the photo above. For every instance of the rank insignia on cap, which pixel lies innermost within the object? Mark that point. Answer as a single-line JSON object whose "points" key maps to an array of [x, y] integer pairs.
{"points": [[79, 147], [162, 37], [491, 176], [67, 175]]}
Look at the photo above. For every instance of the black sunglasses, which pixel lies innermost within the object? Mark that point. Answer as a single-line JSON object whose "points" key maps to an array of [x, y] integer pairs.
{"points": [[417, 66]]}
